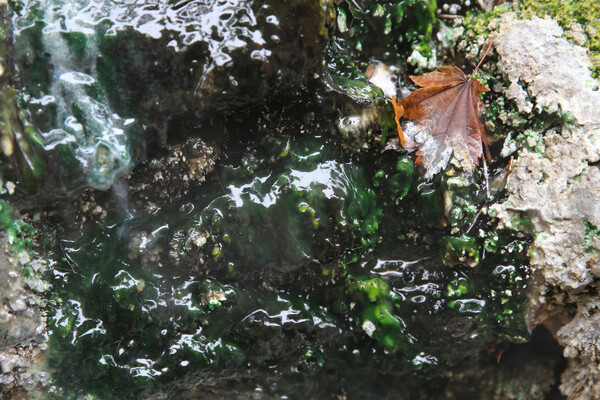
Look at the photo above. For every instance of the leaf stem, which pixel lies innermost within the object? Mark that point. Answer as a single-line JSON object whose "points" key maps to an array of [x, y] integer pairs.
{"points": [[487, 50]]}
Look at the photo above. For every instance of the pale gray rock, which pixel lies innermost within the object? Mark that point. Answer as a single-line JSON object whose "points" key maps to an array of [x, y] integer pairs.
{"points": [[21, 317], [554, 194], [581, 338], [22, 324], [581, 380], [555, 72], [551, 197]]}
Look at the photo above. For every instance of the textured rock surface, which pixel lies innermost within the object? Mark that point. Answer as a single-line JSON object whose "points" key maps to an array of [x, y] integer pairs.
{"points": [[21, 319], [22, 324], [570, 189], [556, 73], [581, 338], [174, 175], [554, 190]]}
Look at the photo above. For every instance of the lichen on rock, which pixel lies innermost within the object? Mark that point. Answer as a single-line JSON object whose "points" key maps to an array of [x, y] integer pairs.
{"points": [[554, 192], [555, 72], [569, 186]]}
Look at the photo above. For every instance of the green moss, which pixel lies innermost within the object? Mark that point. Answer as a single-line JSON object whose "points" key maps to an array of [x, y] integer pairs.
{"points": [[477, 22], [566, 14], [532, 140], [592, 233], [19, 234]]}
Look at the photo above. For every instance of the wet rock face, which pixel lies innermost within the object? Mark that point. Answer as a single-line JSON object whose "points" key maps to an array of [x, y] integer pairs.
{"points": [[170, 177], [206, 277], [297, 214], [95, 75], [255, 252], [277, 270]]}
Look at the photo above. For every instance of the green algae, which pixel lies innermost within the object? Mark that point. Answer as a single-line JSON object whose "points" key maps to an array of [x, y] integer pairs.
{"points": [[18, 232], [413, 308], [24, 241], [398, 183], [387, 28], [462, 250], [288, 219], [117, 323], [438, 214], [378, 308], [150, 334], [305, 202], [283, 266]]}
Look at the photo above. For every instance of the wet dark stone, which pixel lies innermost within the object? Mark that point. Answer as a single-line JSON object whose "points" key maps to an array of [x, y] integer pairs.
{"points": [[93, 77]]}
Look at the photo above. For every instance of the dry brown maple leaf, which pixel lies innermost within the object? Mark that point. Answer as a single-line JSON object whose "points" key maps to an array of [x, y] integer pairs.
{"points": [[444, 120]]}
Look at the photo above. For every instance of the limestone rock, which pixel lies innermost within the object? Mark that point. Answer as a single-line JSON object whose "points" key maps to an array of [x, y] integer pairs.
{"points": [[581, 338], [554, 194], [22, 324], [570, 189], [556, 73]]}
